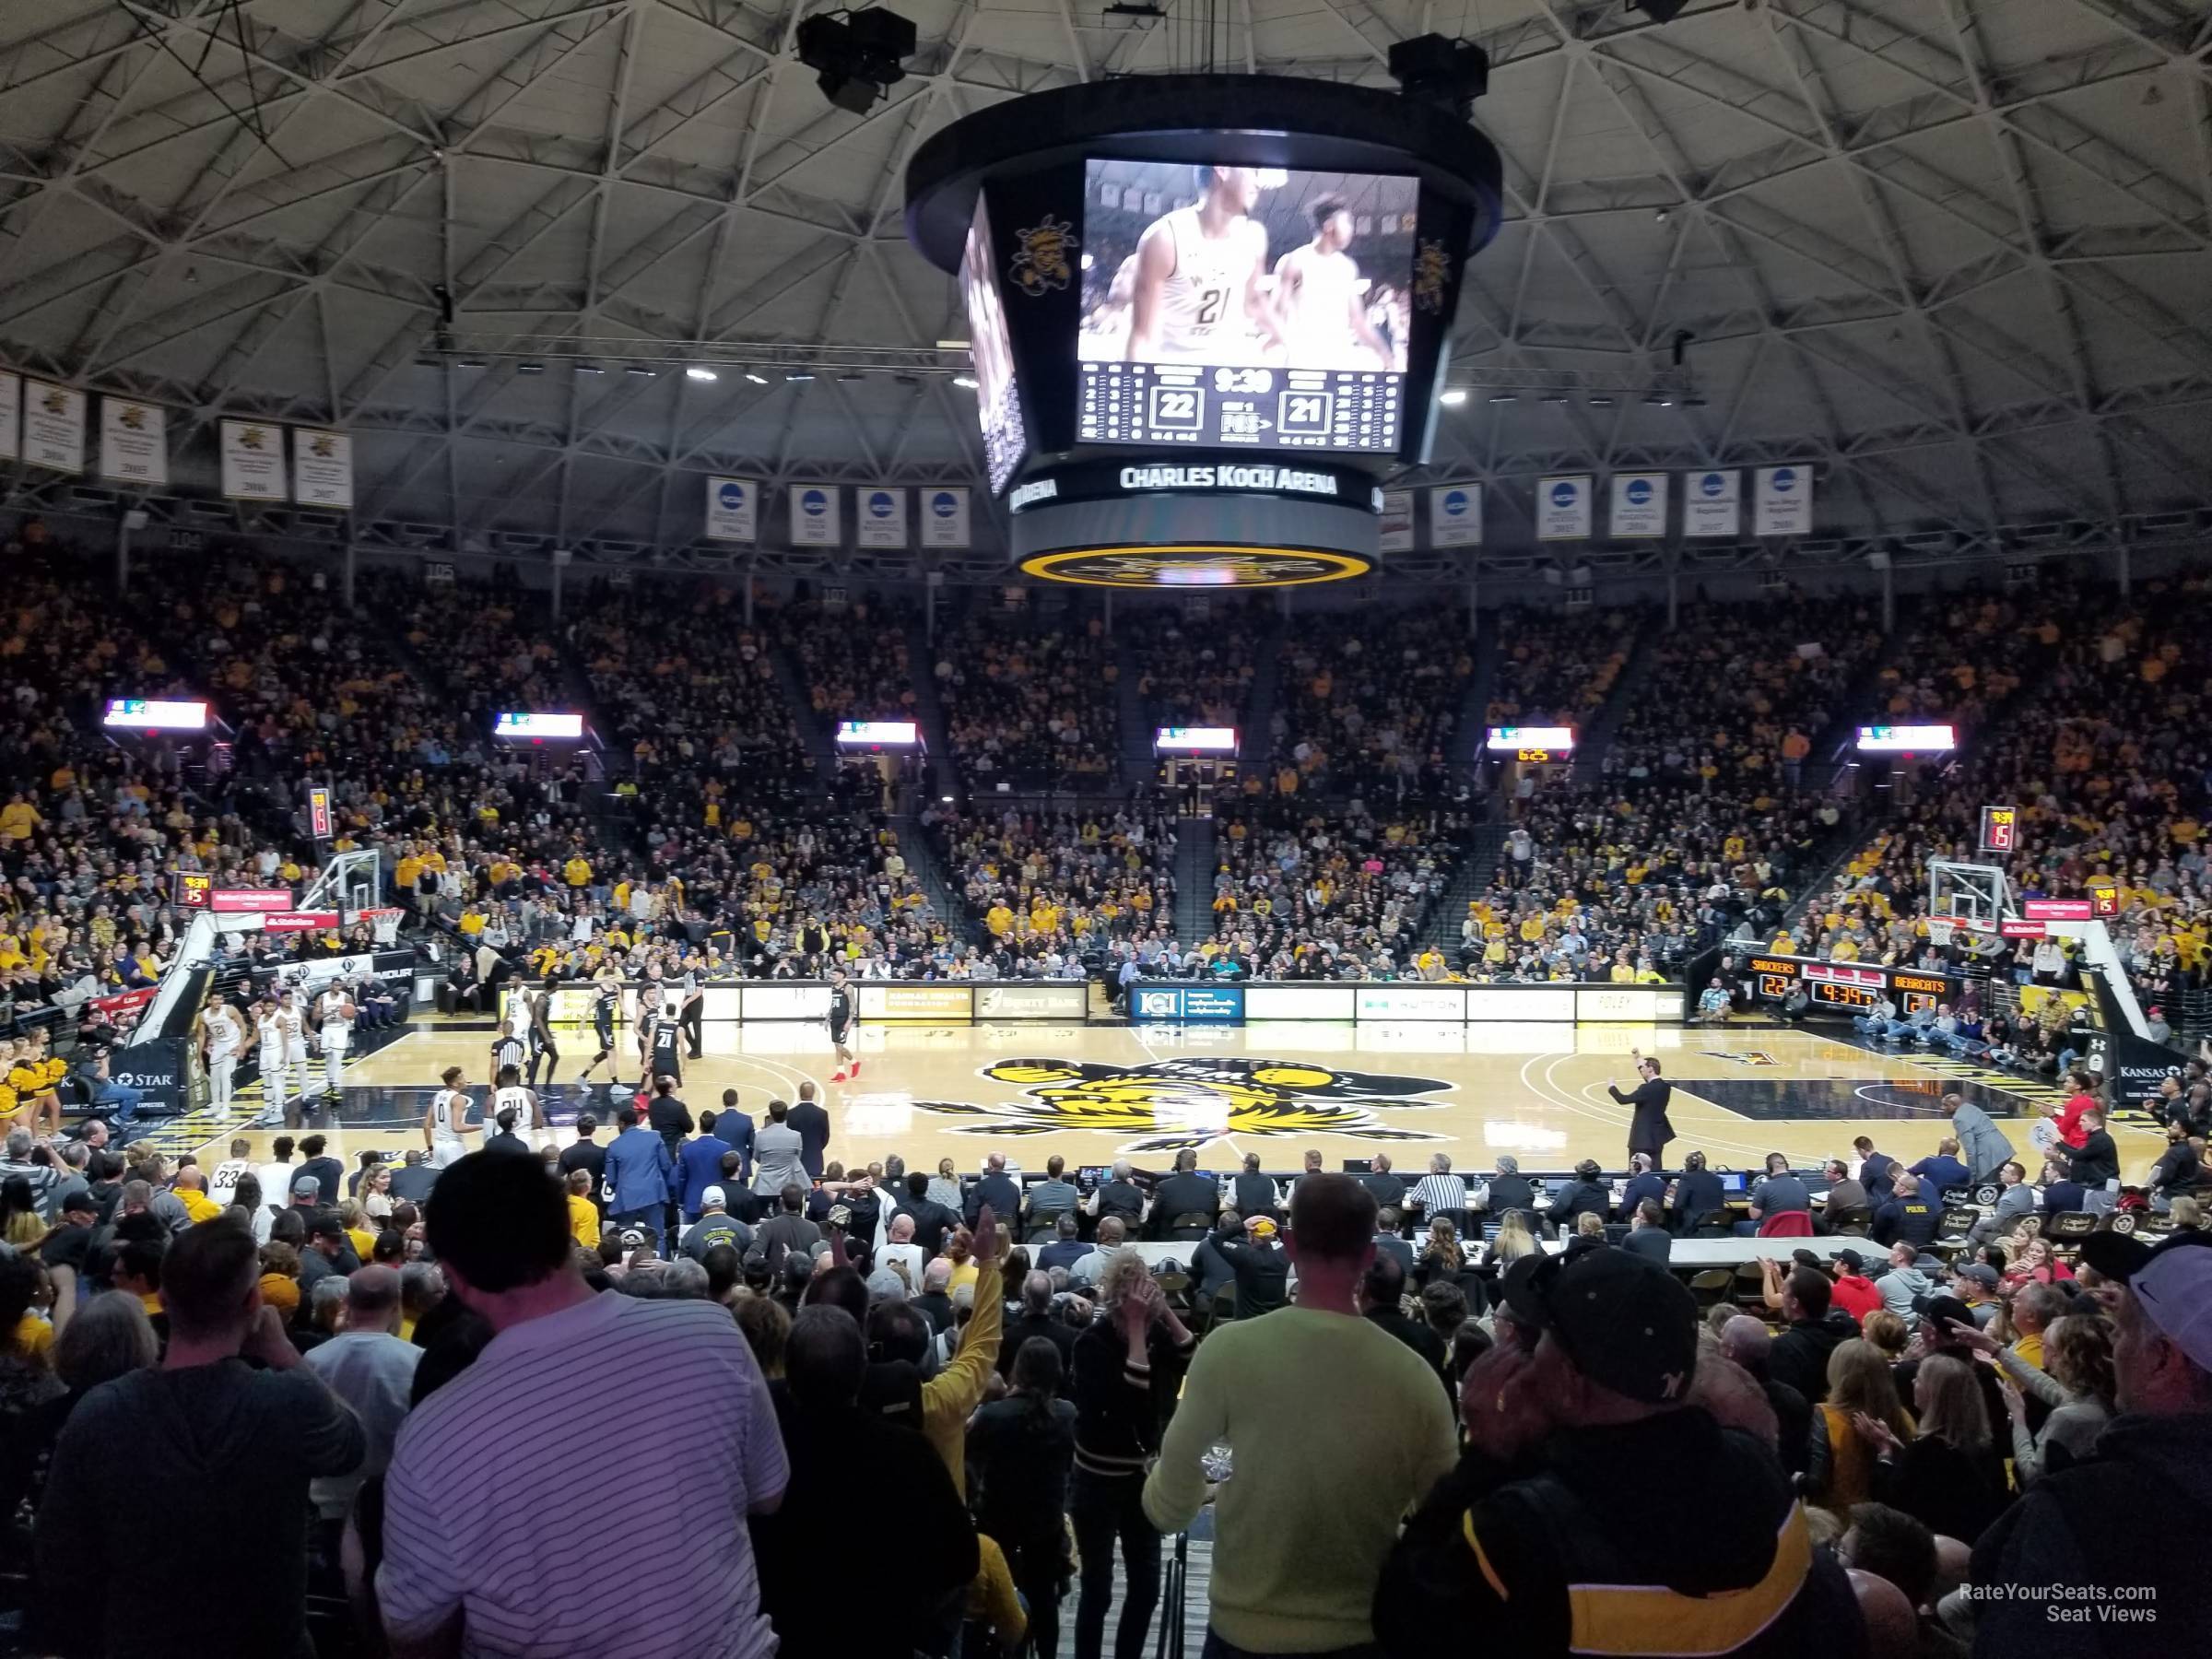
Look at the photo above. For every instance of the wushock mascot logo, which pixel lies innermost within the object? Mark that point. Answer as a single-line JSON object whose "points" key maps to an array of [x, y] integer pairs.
{"points": [[1169, 1104]]}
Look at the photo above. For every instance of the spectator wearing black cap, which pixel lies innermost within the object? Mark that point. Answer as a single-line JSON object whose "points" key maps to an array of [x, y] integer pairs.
{"points": [[1938, 1315], [1543, 1557], [1853, 1291]]}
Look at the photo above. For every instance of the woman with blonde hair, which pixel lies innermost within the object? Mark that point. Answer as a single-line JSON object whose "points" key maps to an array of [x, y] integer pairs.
{"points": [[1887, 1332], [1840, 1462], [2186, 1214], [2077, 1385], [944, 1186], [1949, 1475], [1514, 1241]]}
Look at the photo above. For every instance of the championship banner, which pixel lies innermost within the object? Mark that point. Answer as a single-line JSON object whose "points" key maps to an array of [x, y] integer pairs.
{"points": [[1712, 503], [53, 427], [880, 518], [732, 510], [1394, 534], [1455, 516], [11, 414], [252, 461], [321, 469], [1639, 505], [945, 516], [814, 516], [133, 442], [1783, 502], [1563, 507]]}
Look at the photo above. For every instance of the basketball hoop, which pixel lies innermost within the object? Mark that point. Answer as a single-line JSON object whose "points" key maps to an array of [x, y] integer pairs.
{"points": [[1940, 929]]}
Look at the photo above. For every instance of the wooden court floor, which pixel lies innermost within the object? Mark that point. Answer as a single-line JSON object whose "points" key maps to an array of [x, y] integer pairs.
{"points": [[1094, 1093]]}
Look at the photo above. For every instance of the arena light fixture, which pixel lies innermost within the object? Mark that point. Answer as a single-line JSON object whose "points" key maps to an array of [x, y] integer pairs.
{"points": [[640, 371], [757, 379], [856, 55], [588, 369], [1433, 69], [1453, 396], [1503, 397], [965, 382], [699, 373], [952, 345], [1601, 403], [799, 374], [529, 368]]}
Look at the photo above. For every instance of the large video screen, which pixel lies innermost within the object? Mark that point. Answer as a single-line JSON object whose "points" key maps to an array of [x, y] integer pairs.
{"points": [[998, 403], [1229, 305]]}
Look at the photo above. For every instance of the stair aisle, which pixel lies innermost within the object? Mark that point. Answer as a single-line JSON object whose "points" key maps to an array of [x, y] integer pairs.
{"points": [[1193, 879], [1596, 736], [1469, 882], [1261, 697], [929, 709], [1135, 736], [927, 868]]}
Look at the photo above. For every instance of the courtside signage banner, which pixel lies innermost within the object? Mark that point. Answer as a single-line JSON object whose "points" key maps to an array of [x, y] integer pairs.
{"points": [[265, 902], [1643, 1005], [299, 921], [1199, 1005], [1783, 502], [786, 1002], [1298, 1002], [1519, 1002], [733, 510], [252, 461], [814, 516], [53, 427], [11, 414], [133, 442], [1563, 507], [1712, 503], [321, 469], [1069, 1000], [1455, 516], [1411, 1001], [1638, 504], [1394, 533], [881, 520], [928, 1005], [945, 516]]}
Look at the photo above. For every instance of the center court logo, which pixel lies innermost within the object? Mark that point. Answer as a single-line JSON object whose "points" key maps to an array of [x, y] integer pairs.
{"points": [[1170, 1104]]}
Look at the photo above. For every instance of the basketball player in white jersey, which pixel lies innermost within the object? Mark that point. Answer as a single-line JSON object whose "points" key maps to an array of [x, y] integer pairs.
{"points": [[334, 1024], [447, 1120], [509, 1094], [1199, 295], [223, 1038], [277, 1025], [1323, 306]]}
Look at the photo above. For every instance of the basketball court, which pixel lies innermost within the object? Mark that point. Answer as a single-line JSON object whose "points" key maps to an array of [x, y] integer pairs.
{"points": [[1091, 1093]]}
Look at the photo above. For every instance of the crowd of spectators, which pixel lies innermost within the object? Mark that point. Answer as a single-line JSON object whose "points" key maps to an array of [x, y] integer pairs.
{"points": [[1870, 1427], [1197, 669], [1028, 698], [1556, 669], [1737, 694], [1051, 890], [1302, 893], [853, 661], [1369, 704]]}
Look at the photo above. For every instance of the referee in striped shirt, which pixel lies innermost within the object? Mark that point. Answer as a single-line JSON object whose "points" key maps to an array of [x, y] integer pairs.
{"points": [[510, 1047], [1439, 1190]]}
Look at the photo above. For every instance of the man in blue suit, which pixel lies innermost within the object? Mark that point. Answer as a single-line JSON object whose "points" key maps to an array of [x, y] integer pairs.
{"points": [[737, 1128], [639, 1172]]}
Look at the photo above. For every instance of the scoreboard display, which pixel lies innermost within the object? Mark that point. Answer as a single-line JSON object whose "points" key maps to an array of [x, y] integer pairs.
{"points": [[1850, 987], [1279, 408]]}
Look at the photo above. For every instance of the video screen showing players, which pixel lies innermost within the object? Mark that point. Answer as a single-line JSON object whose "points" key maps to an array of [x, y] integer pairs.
{"points": [[1228, 305], [997, 401]]}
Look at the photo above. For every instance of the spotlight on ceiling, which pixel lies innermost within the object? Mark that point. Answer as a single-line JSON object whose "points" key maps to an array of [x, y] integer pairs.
{"points": [[1659, 400], [588, 369], [699, 372], [529, 368], [1503, 397], [1659, 11], [1453, 396], [640, 371], [757, 379], [1601, 402], [799, 374], [965, 382], [1449, 74], [857, 57], [1124, 14]]}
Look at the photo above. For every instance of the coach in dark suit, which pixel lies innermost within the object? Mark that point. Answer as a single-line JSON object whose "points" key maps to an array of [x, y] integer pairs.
{"points": [[812, 1125], [996, 1188], [1649, 1131]]}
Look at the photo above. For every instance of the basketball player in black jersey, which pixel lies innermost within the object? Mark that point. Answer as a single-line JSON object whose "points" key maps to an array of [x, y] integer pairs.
{"points": [[606, 1000], [542, 1046], [841, 1026]]}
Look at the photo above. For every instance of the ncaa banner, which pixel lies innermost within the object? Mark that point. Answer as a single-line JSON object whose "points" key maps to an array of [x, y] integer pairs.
{"points": [[732, 510], [945, 516], [1563, 507], [11, 414], [133, 442], [53, 427], [1396, 533], [1455, 516], [879, 517], [1712, 502], [321, 469], [1639, 505], [1783, 502], [252, 461], [814, 515]]}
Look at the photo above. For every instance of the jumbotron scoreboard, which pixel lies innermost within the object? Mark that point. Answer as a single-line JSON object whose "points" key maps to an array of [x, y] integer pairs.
{"points": [[1207, 315]]}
